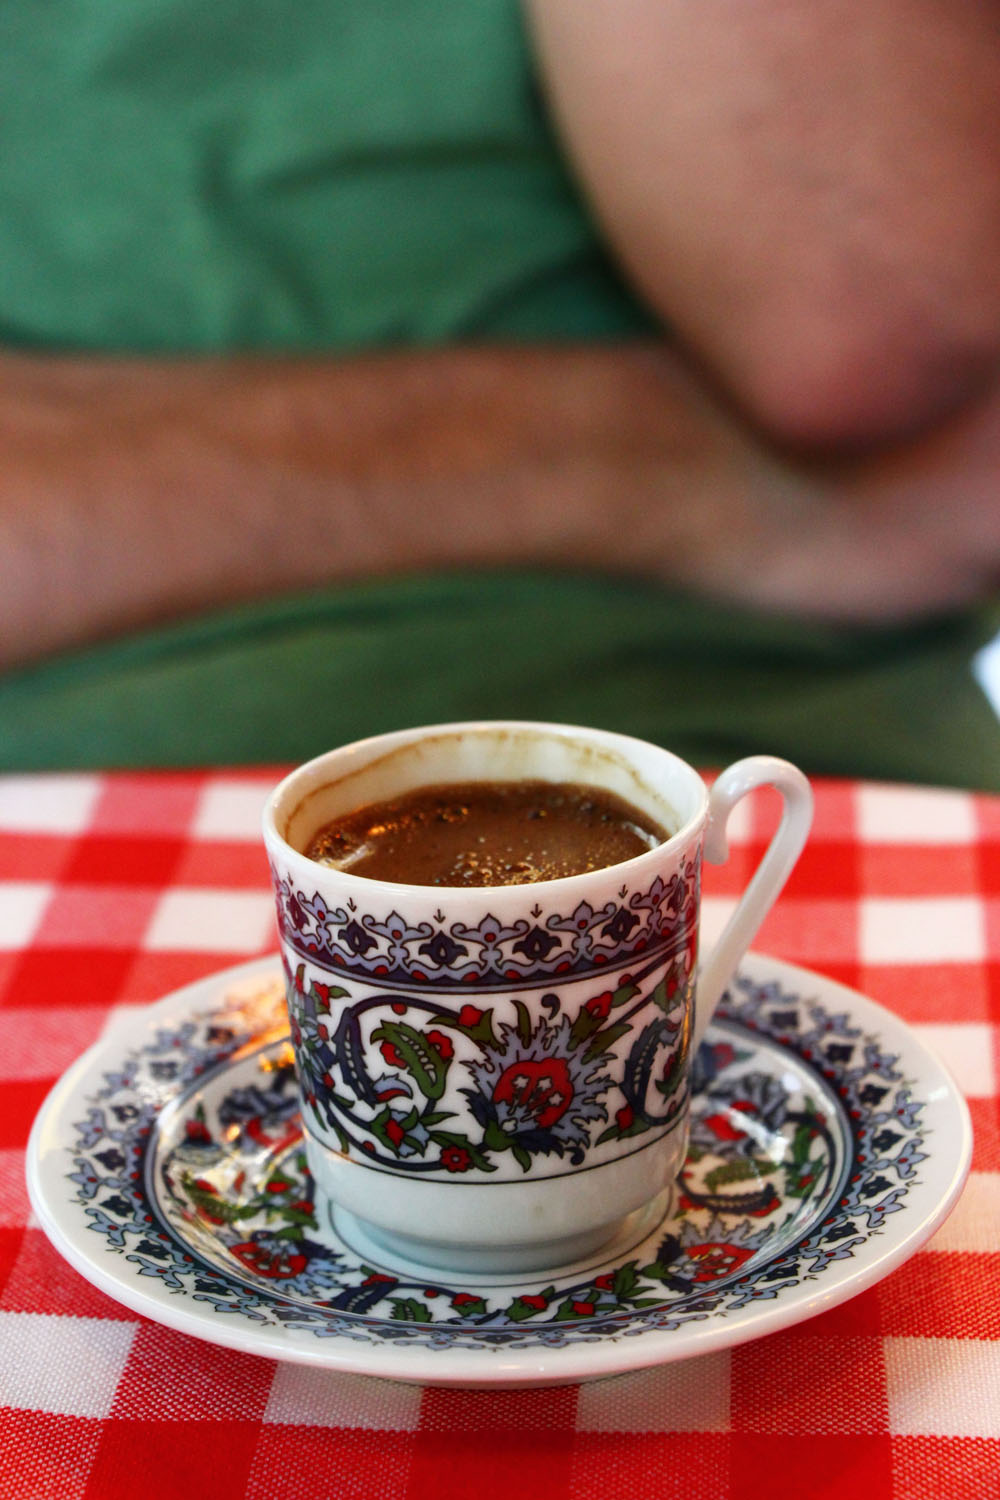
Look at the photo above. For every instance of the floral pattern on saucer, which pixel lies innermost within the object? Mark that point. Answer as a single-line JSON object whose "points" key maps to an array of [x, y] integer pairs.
{"points": [[189, 1166]]}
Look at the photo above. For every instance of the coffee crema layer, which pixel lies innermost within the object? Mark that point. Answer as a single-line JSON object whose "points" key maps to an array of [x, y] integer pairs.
{"points": [[487, 833]]}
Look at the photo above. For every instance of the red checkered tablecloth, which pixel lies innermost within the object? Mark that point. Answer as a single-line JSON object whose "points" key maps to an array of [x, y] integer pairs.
{"points": [[116, 889]]}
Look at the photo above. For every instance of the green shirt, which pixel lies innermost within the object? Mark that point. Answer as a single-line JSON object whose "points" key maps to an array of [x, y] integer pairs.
{"points": [[333, 175]]}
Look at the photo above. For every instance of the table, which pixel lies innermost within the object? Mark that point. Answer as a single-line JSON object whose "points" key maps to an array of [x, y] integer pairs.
{"points": [[115, 889]]}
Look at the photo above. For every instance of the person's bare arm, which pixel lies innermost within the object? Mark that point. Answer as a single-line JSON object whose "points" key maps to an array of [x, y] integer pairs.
{"points": [[134, 492], [808, 191]]}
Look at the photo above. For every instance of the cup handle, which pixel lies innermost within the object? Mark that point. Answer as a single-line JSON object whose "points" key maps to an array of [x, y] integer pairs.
{"points": [[774, 869]]}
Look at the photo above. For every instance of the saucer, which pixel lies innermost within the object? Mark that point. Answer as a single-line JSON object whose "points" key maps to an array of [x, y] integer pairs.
{"points": [[168, 1167]]}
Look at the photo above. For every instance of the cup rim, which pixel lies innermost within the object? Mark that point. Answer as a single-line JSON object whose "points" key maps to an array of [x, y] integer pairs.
{"points": [[638, 865]]}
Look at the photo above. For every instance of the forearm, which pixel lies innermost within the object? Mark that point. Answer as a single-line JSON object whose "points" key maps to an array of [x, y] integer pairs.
{"points": [[133, 492], [137, 492]]}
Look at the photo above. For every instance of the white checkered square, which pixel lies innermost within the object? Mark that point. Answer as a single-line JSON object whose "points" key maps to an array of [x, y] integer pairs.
{"points": [[47, 804], [307, 1397], [966, 1049], [943, 1387], [974, 1223], [70, 1366], [687, 1396], [921, 929], [21, 906], [915, 815], [231, 809], [193, 921]]}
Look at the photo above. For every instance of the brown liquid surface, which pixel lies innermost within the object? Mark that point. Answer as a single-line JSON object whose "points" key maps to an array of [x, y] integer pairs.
{"points": [[487, 833]]}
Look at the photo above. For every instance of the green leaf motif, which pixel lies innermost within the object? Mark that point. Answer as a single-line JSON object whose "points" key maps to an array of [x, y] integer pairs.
{"points": [[605, 1039], [625, 1282], [520, 1311], [743, 1169], [586, 1023], [427, 1068], [657, 1271], [452, 1138], [623, 994], [333, 992], [215, 1205], [473, 1307], [409, 1310], [568, 1311], [801, 1145], [639, 1126]]}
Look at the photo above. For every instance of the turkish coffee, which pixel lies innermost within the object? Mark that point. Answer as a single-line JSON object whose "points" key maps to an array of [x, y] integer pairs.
{"points": [[487, 833]]}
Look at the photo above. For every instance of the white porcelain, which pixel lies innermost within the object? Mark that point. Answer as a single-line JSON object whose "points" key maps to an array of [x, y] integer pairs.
{"points": [[167, 1166], [495, 1079]]}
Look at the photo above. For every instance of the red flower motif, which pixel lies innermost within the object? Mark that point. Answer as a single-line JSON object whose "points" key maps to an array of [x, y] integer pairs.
{"points": [[583, 1309], [392, 1055], [394, 1131], [278, 1185], [196, 1130], [455, 1159], [537, 1304], [464, 1299], [600, 1005], [715, 1259], [722, 1128], [441, 1044], [264, 1262], [469, 1016], [606, 1282], [625, 1117], [544, 1088]]}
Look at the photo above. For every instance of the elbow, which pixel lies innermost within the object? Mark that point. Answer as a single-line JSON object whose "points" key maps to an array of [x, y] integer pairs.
{"points": [[843, 386]]}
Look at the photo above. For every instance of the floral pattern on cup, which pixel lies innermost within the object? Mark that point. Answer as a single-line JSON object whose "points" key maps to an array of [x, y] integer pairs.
{"points": [[457, 1090], [659, 921]]}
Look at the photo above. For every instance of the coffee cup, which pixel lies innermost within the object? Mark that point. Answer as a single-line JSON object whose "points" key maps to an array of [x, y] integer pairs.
{"points": [[496, 1080]]}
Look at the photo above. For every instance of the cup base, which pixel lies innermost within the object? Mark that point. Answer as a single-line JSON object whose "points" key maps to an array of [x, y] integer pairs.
{"points": [[497, 1263]]}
